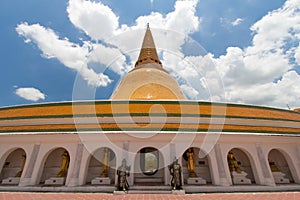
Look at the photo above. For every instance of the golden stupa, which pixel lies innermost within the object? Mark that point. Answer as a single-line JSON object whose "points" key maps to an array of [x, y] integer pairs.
{"points": [[148, 80]]}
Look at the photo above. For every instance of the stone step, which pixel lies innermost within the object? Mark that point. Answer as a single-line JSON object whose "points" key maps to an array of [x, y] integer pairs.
{"points": [[150, 188], [162, 189], [149, 192]]}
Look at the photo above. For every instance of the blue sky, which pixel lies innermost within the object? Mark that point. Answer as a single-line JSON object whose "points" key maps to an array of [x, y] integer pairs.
{"points": [[48, 47]]}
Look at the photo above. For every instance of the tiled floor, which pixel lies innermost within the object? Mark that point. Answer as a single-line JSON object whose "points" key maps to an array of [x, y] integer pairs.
{"points": [[99, 196]]}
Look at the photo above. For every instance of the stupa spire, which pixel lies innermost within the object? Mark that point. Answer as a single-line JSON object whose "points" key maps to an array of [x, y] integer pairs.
{"points": [[148, 52]]}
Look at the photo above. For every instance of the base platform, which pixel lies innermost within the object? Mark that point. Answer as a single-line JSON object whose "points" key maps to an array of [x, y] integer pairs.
{"points": [[11, 181], [55, 181], [101, 181], [240, 178], [196, 181]]}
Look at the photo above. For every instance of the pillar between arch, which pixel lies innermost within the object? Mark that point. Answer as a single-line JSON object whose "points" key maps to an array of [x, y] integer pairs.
{"points": [[223, 171]]}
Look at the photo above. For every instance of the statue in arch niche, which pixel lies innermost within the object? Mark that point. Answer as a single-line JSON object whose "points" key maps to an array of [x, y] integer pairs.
{"points": [[232, 163], [105, 163], [273, 166], [123, 172], [65, 160], [175, 171], [191, 162]]}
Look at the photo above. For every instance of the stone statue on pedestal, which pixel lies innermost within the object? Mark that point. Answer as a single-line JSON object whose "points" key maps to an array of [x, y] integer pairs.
{"points": [[19, 174], [123, 172], [65, 159], [191, 163], [175, 171]]}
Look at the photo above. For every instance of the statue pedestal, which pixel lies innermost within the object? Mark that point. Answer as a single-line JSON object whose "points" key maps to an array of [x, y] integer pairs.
{"points": [[178, 192], [55, 181], [101, 181], [11, 181], [196, 181], [116, 192], [279, 177], [240, 178]]}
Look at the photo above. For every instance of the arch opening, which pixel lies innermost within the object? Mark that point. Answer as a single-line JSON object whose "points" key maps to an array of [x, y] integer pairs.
{"points": [[102, 167], [56, 167], [240, 167], [13, 167], [279, 167], [196, 170], [149, 167]]}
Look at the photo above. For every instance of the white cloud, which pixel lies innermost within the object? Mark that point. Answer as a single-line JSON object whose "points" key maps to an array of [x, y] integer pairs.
{"points": [[297, 54], [30, 94], [237, 21], [191, 92], [251, 75], [70, 54], [100, 23], [95, 19]]}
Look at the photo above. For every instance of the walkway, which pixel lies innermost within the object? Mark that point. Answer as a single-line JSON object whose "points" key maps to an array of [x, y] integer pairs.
{"points": [[98, 196]]}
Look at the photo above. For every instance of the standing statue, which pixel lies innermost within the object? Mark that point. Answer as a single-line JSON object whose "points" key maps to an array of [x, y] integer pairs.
{"points": [[175, 171], [19, 174], [123, 172], [65, 159], [191, 163], [232, 163], [105, 163]]}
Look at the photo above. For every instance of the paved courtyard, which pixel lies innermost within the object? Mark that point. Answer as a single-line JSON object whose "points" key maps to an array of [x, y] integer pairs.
{"points": [[101, 196]]}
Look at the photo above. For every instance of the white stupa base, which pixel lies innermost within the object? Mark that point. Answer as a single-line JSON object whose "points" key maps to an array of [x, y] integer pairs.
{"points": [[279, 177], [240, 178], [55, 181], [101, 181], [196, 181], [11, 181]]}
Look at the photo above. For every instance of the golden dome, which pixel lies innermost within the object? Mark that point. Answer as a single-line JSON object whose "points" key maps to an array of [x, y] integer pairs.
{"points": [[148, 80]]}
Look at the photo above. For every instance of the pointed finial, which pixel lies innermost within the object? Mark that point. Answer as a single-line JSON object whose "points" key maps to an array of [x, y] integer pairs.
{"points": [[148, 52]]}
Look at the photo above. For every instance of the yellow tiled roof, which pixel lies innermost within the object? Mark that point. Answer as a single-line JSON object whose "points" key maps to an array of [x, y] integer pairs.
{"points": [[165, 115]]}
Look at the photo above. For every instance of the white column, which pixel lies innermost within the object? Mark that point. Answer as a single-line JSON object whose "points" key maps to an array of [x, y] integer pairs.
{"points": [[84, 166], [168, 160], [224, 178], [265, 174], [28, 171], [214, 172], [296, 160], [73, 179]]}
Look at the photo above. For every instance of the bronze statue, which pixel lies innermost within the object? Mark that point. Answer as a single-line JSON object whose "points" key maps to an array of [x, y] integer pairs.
{"points": [[19, 174], [232, 163], [123, 172], [273, 166], [105, 163], [175, 171], [64, 165], [191, 163]]}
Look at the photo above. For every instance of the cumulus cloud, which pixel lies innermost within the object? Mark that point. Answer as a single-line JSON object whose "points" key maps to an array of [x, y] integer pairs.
{"points": [[100, 23], [70, 54], [262, 73], [30, 93], [95, 19], [189, 91]]}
